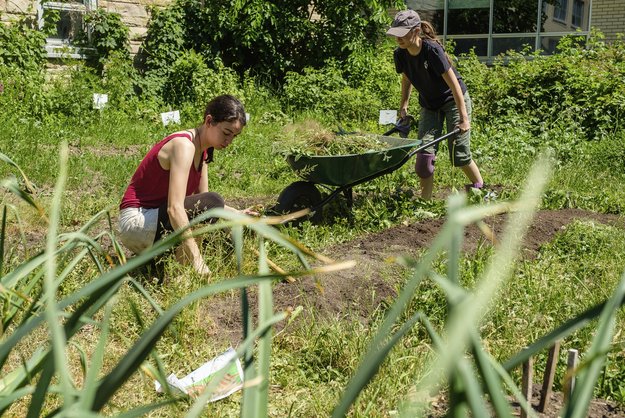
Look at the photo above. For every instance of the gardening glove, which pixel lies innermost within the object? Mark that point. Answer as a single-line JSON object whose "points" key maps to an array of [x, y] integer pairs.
{"points": [[403, 126]]}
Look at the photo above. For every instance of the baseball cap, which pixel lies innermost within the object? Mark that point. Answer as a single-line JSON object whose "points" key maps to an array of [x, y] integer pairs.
{"points": [[404, 21]]}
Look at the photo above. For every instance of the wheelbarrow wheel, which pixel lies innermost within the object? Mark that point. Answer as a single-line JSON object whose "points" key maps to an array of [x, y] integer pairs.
{"points": [[297, 196]]}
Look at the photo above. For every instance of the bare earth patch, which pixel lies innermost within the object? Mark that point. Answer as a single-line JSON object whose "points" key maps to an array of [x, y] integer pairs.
{"points": [[358, 292]]}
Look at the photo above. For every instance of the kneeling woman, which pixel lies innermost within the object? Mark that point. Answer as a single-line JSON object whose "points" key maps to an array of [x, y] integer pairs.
{"points": [[170, 185]]}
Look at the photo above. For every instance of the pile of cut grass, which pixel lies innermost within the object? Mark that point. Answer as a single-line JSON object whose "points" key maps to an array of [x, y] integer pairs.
{"points": [[311, 139]]}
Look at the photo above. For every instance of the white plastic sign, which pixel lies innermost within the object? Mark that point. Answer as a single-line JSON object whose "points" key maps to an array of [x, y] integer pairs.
{"points": [[100, 100], [388, 117], [247, 117], [195, 382], [170, 117]]}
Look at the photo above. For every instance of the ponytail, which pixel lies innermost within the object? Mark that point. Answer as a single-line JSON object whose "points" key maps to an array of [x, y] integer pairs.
{"points": [[428, 32]]}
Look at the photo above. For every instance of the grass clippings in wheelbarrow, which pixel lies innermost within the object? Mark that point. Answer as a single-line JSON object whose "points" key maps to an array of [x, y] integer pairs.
{"points": [[311, 139]]}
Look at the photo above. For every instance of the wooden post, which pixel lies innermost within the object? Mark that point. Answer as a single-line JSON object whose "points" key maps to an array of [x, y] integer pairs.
{"points": [[550, 372], [528, 377], [571, 366]]}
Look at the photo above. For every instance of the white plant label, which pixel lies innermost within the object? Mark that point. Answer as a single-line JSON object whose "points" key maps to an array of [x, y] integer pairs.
{"points": [[247, 117], [387, 117], [100, 100], [195, 382], [170, 117]]}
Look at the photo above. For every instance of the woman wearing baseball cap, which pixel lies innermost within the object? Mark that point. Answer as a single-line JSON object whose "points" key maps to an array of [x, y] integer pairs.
{"points": [[443, 96]]}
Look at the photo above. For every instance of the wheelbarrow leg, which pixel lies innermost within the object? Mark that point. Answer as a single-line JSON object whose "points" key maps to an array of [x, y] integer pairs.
{"points": [[349, 196]]}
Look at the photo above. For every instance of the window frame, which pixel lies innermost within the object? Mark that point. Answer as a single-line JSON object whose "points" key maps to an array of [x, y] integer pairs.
{"points": [[577, 16], [561, 11], [63, 48]]}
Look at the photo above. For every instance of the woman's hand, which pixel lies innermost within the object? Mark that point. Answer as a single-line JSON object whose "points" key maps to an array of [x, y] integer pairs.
{"points": [[464, 126], [251, 211], [201, 268]]}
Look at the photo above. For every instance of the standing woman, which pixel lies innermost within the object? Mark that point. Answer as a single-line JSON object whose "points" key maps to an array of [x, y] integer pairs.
{"points": [[170, 186], [443, 96]]}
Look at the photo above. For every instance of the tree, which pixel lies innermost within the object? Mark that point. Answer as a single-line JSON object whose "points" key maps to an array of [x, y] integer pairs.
{"points": [[270, 38]]}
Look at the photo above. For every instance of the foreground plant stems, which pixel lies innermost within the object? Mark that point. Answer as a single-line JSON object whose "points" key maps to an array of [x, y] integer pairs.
{"points": [[464, 312], [65, 317]]}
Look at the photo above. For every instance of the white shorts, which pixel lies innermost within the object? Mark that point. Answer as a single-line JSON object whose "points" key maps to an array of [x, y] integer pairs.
{"points": [[137, 228]]}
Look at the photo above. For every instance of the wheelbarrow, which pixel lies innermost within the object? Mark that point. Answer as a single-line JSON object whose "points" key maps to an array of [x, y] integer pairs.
{"points": [[338, 174]]}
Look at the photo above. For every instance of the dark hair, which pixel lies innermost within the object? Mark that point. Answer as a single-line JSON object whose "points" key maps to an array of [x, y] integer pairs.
{"points": [[225, 108], [428, 32]]}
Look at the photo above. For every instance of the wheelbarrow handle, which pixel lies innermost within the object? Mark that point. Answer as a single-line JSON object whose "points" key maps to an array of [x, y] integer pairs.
{"points": [[433, 142]]}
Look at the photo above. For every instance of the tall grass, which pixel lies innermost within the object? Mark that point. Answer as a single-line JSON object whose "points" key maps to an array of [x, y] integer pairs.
{"points": [[31, 299]]}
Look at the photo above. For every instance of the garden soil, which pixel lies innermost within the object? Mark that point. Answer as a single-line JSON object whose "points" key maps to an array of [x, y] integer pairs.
{"points": [[357, 293]]}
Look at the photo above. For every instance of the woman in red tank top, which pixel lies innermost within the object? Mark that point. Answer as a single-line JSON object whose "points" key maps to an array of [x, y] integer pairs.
{"points": [[170, 186]]}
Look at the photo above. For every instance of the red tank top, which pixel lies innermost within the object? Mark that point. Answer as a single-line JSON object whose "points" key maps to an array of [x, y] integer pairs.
{"points": [[149, 185]]}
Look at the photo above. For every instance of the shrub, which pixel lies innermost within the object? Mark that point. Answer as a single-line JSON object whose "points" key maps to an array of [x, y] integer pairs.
{"points": [[108, 34], [22, 61], [326, 91], [190, 81], [70, 93], [22, 46], [578, 86], [119, 78], [164, 42], [372, 70]]}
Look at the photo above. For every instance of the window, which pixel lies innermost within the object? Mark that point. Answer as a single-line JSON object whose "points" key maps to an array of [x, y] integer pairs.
{"points": [[578, 13], [67, 16], [559, 10]]}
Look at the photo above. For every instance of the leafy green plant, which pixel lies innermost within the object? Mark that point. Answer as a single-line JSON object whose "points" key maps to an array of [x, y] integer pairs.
{"points": [[22, 63], [576, 93], [191, 82], [22, 46], [326, 91], [71, 93], [108, 33], [164, 41]]}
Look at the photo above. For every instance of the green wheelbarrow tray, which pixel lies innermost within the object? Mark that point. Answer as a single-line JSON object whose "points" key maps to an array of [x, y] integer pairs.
{"points": [[341, 170], [344, 172]]}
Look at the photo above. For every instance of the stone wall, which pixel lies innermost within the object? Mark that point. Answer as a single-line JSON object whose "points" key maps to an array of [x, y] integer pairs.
{"points": [[134, 13], [14, 9]]}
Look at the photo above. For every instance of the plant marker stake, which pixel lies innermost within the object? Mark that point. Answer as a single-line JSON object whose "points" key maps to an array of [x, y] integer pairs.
{"points": [[550, 372], [571, 365], [526, 385]]}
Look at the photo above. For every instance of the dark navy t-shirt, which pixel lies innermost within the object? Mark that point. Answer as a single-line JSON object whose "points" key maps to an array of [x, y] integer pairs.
{"points": [[425, 73]]}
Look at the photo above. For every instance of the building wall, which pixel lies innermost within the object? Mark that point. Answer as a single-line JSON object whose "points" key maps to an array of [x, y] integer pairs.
{"points": [[13, 9], [553, 25], [609, 17], [134, 13]]}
